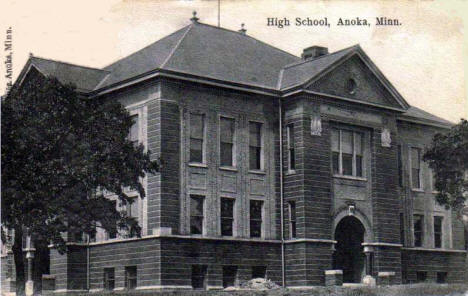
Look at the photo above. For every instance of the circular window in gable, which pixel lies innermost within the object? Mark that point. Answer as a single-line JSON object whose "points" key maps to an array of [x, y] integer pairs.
{"points": [[351, 86]]}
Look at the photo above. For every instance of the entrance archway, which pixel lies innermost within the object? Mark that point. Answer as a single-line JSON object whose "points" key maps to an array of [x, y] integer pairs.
{"points": [[349, 255]]}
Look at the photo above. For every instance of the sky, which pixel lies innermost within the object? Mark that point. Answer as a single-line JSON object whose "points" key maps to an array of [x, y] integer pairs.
{"points": [[424, 58]]}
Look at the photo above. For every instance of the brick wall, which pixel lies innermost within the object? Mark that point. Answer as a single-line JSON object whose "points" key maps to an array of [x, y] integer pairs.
{"points": [[432, 262], [179, 254], [144, 254]]}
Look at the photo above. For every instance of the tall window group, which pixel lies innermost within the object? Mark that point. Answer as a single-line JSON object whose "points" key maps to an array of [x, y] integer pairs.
{"points": [[347, 153]]}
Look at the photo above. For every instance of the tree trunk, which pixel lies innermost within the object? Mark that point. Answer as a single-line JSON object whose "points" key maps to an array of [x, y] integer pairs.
{"points": [[19, 260]]}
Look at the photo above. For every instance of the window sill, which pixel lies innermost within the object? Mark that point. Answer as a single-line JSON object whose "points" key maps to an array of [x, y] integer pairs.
{"points": [[197, 165], [417, 190], [350, 177], [258, 172], [228, 168]]}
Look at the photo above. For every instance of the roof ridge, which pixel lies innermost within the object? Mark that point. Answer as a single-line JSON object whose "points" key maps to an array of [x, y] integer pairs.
{"points": [[322, 56], [143, 48], [248, 36], [169, 56], [67, 63]]}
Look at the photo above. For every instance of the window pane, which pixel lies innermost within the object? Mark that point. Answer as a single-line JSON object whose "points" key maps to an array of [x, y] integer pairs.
{"points": [[133, 136], [335, 140], [415, 158], [291, 147], [256, 218], [347, 164], [292, 219], [196, 205], [227, 130], [255, 158], [255, 135], [418, 230], [438, 231], [358, 143], [196, 214], [196, 126], [400, 167], [347, 142], [416, 182], [226, 154], [335, 162], [358, 165], [227, 216], [196, 150], [227, 207]]}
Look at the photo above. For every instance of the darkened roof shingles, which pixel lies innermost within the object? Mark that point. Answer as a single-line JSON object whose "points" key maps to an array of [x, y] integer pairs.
{"points": [[211, 52], [84, 78], [421, 115]]}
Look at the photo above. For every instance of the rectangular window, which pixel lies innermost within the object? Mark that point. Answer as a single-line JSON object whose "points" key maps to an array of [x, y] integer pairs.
{"points": [[134, 134], [347, 153], [402, 229], [199, 276], [130, 277], [292, 219], [109, 279], [227, 216], [291, 148], [227, 128], [255, 146], [421, 276], [433, 181], [197, 136], [418, 230], [400, 166], [196, 214], [132, 208], [416, 168], [111, 230], [438, 231], [259, 272], [256, 217], [441, 277], [229, 276]]}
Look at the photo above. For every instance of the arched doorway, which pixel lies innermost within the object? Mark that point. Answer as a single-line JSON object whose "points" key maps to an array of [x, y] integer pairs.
{"points": [[349, 255]]}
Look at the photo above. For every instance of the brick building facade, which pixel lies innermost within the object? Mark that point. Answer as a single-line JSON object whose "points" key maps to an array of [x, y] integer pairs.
{"points": [[273, 166]]}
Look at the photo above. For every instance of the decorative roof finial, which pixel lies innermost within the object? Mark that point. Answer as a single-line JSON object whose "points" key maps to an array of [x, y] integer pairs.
{"points": [[242, 30], [194, 19], [31, 55]]}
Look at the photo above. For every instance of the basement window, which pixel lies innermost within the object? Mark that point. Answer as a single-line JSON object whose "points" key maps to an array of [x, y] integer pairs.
{"points": [[229, 276], [109, 278], [421, 276], [259, 272], [441, 277], [130, 277], [199, 276]]}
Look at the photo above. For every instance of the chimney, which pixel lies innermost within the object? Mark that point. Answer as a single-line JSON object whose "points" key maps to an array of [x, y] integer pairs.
{"points": [[242, 30], [314, 52]]}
